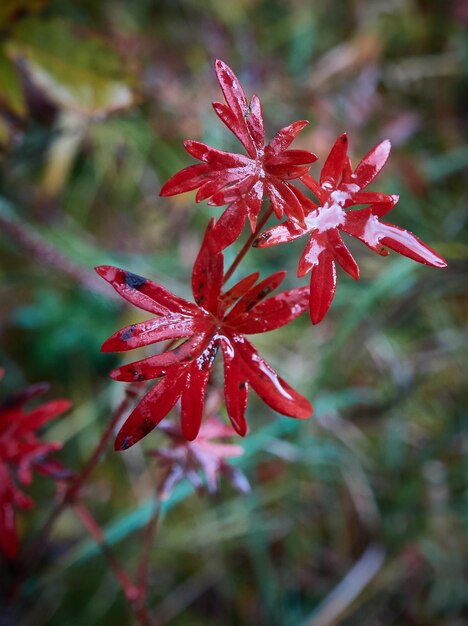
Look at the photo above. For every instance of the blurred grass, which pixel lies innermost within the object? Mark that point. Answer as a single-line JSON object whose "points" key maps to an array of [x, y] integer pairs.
{"points": [[383, 462]]}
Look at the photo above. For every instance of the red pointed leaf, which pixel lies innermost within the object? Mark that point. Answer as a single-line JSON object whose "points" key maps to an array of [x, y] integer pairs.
{"points": [[151, 331], [283, 233], [144, 293], [333, 167], [152, 409], [254, 120], [322, 287], [310, 182], [229, 180], [239, 289], [193, 396], [371, 164], [237, 126], [284, 200], [158, 365], [186, 180], [271, 388], [41, 415], [235, 385], [341, 254], [285, 137], [292, 157], [207, 274], [254, 295], [275, 312], [218, 158], [229, 226], [404, 242]]}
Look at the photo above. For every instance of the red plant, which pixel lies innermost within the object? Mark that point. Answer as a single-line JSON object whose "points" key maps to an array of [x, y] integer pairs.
{"points": [[339, 189], [21, 453], [241, 180], [218, 319], [221, 319], [184, 458]]}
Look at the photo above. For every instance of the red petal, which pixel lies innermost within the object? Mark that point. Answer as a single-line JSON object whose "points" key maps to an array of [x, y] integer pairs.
{"points": [[186, 180], [255, 294], [207, 273], [144, 293], [193, 397], [235, 386], [322, 287], [229, 226], [333, 166], [371, 164], [151, 331], [275, 312], [271, 388], [152, 409], [285, 137]]}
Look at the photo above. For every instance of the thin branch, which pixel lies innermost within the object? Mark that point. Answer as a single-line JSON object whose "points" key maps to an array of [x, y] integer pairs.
{"points": [[248, 244]]}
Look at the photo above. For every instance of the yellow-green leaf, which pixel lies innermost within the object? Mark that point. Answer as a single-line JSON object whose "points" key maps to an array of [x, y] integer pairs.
{"points": [[78, 71], [11, 91]]}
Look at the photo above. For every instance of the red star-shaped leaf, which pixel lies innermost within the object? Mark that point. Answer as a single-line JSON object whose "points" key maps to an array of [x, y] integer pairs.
{"points": [[218, 319], [243, 180], [22, 453], [339, 189]]}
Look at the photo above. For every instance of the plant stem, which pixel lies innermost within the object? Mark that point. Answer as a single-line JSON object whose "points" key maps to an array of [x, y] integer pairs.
{"points": [[144, 565], [132, 593], [73, 488], [248, 244], [148, 541]]}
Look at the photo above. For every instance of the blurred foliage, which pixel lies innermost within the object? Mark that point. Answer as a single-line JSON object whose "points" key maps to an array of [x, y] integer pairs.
{"points": [[358, 516]]}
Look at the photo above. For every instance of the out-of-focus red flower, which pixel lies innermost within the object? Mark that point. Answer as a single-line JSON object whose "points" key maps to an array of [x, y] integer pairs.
{"points": [[339, 189], [240, 180], [218, 319], [183, 459], [22, 453]]}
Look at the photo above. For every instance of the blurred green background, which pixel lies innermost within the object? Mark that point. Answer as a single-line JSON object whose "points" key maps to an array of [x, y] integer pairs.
{"points": [[358, 516]]}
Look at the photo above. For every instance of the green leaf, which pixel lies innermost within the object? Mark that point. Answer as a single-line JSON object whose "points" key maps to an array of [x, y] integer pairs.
{"points": [[11, 92], [77, 71]]}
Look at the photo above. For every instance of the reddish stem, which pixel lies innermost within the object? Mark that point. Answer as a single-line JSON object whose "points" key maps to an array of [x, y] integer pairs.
{"points": [[132, 593], [144, 565], [248, 244], [76, 484]]}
